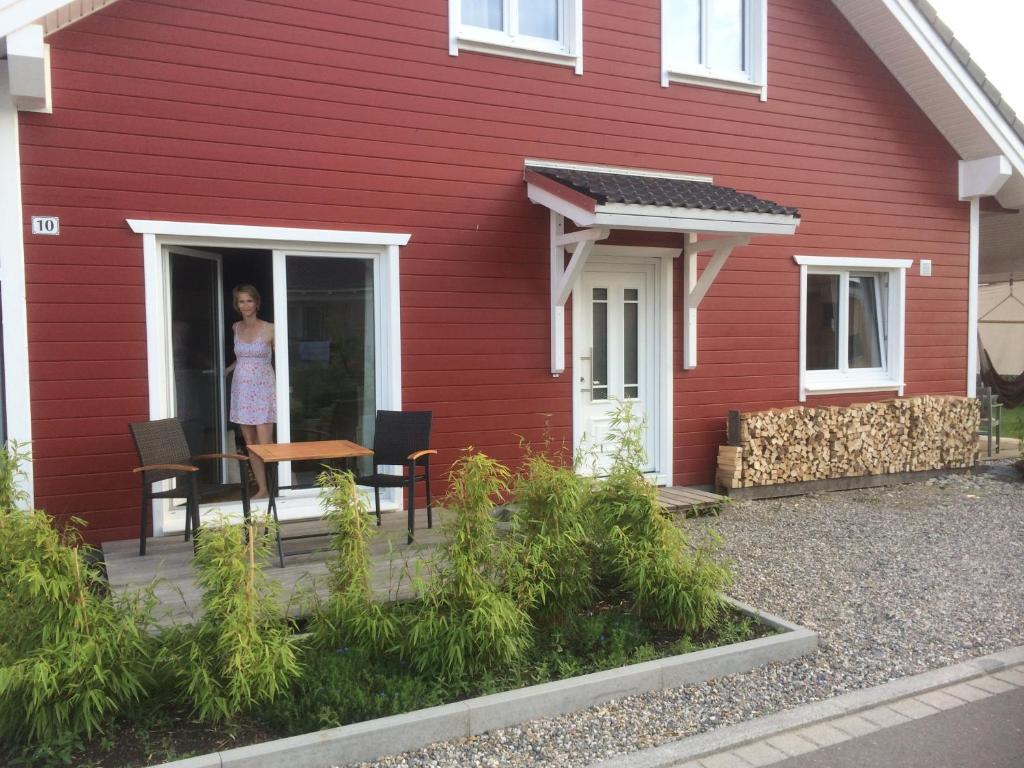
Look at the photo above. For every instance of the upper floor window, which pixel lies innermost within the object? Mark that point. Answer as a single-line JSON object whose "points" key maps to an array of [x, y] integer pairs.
{"points": [[852, 320], [715, 42], [541, 30]]}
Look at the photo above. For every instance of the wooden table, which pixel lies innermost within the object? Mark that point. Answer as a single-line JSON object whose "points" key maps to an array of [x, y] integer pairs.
{"points": [[319, 450]]}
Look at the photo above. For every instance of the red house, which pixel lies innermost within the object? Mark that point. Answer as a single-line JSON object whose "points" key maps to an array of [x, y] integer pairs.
{"points": [[509, 213]]}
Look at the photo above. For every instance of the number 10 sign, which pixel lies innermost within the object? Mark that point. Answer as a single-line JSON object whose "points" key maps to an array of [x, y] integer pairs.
{"points": [[45, 225]]}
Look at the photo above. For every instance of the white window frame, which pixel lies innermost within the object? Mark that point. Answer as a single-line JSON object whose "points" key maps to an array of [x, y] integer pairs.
{"points": [[506, 42], [753, 80], [382, 248], [889, 377]]}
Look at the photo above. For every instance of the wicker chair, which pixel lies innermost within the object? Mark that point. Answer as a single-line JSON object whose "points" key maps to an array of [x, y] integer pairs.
{"points": [[401, 438], [164, 455]]}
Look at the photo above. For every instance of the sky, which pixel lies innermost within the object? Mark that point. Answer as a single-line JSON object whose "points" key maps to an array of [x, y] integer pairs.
{"points": [[991, 30]]}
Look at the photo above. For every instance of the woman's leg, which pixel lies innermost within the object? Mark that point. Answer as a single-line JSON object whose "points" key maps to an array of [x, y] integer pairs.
{"points": [[253, 436]]}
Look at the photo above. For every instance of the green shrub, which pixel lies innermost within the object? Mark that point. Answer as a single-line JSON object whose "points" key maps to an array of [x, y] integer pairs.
{"points": [[70, 660], [242, 651], [466, 623], [350, 617], [551, 536], [643, 553], [13, 457]]}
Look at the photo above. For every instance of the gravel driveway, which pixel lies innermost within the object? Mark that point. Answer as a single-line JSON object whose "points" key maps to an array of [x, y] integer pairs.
{"points": [[895, 580]]}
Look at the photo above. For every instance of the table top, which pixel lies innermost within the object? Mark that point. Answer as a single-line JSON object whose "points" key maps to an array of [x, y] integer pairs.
{"points": [[311, 451]]}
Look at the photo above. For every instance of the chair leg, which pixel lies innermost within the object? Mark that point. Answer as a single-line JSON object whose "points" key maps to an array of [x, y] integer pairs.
{"points": [[376, 499], [194, 493], [243, 486], [430, 510], [142, 524], [411, 490]]}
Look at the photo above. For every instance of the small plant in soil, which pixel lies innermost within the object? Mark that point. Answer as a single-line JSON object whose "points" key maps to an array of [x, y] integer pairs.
{"points": [[350, 618], [646, 558], [242, 652], [466, 621], [70, 658]]}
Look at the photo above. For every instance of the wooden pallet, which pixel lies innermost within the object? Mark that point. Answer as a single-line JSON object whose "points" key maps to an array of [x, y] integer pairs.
{"points": [[679, 498]]}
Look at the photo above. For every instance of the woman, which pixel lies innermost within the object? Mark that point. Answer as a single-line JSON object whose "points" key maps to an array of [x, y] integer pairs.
{"points": [[253, 401]]}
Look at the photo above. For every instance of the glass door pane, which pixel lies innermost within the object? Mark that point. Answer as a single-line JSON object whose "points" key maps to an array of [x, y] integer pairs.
{"points": [[631, 344], [331, 361], [599, 352], [198, 357]]}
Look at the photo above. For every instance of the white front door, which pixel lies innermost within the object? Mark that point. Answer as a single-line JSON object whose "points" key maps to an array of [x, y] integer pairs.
{"points": [[615, 343]]}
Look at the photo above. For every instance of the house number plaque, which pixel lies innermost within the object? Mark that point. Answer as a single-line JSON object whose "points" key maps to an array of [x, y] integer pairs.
{"points": [[45, 225]]}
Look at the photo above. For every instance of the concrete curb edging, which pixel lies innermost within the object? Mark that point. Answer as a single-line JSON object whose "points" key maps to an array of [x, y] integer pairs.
{"points": [[704, 744], [401, 733]]}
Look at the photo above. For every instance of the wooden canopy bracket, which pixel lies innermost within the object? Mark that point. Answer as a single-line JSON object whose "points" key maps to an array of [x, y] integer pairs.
{"points": [[565, 276], [695, 289]]}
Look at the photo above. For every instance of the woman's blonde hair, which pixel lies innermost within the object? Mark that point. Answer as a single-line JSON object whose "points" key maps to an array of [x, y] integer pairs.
{"points": [[244, 288]]}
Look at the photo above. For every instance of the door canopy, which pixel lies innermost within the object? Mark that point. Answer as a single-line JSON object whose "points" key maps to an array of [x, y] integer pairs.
{"points": [[599, 199]]}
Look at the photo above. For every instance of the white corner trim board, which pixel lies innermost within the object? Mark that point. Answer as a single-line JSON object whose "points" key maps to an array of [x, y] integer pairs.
{"points": [[12, 280]]}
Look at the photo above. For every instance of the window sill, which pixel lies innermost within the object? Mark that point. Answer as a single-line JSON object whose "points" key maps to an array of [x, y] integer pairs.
{"points": [[841, 387], [711, 81], [512, 50]]}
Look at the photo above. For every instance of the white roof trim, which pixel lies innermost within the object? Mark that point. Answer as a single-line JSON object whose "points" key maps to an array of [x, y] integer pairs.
{"points": [[664, 219], [532, 162], [266, 234], [926, 86], [652, 217], [21, 13]]}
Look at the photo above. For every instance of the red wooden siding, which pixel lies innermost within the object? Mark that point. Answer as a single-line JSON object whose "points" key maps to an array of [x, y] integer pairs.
{"points": [[352, 115]]}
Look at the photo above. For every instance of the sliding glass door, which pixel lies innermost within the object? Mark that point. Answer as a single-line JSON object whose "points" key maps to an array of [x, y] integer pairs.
{"points": [[330, 360], [336, 353], [326, 371], [198, 355]]}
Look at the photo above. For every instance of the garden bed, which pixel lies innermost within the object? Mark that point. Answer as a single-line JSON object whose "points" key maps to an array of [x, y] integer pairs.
{"points": [[776, 640], [263, 739]]}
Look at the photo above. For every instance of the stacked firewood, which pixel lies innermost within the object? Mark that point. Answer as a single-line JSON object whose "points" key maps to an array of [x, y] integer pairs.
{"points": [[794, 445]]}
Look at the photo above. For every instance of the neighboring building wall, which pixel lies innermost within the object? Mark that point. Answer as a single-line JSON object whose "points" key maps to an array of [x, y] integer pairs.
{"points": [[356, 118]]}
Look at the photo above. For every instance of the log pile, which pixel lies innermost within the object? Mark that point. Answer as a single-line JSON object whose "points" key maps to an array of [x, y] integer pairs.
{"points": [[794, 445]]}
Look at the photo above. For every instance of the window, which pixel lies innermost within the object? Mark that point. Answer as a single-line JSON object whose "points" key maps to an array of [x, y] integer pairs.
{"points": [[541, 30], [715, 42], [852, 318]]}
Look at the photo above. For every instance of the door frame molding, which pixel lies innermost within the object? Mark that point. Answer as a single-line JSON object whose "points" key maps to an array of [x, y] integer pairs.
{"points": [[622, 257], [157, 236]]}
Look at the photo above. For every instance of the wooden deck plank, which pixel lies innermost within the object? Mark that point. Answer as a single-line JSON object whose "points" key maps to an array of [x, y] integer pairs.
{"points": [[167, 566], [168, 561]]}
